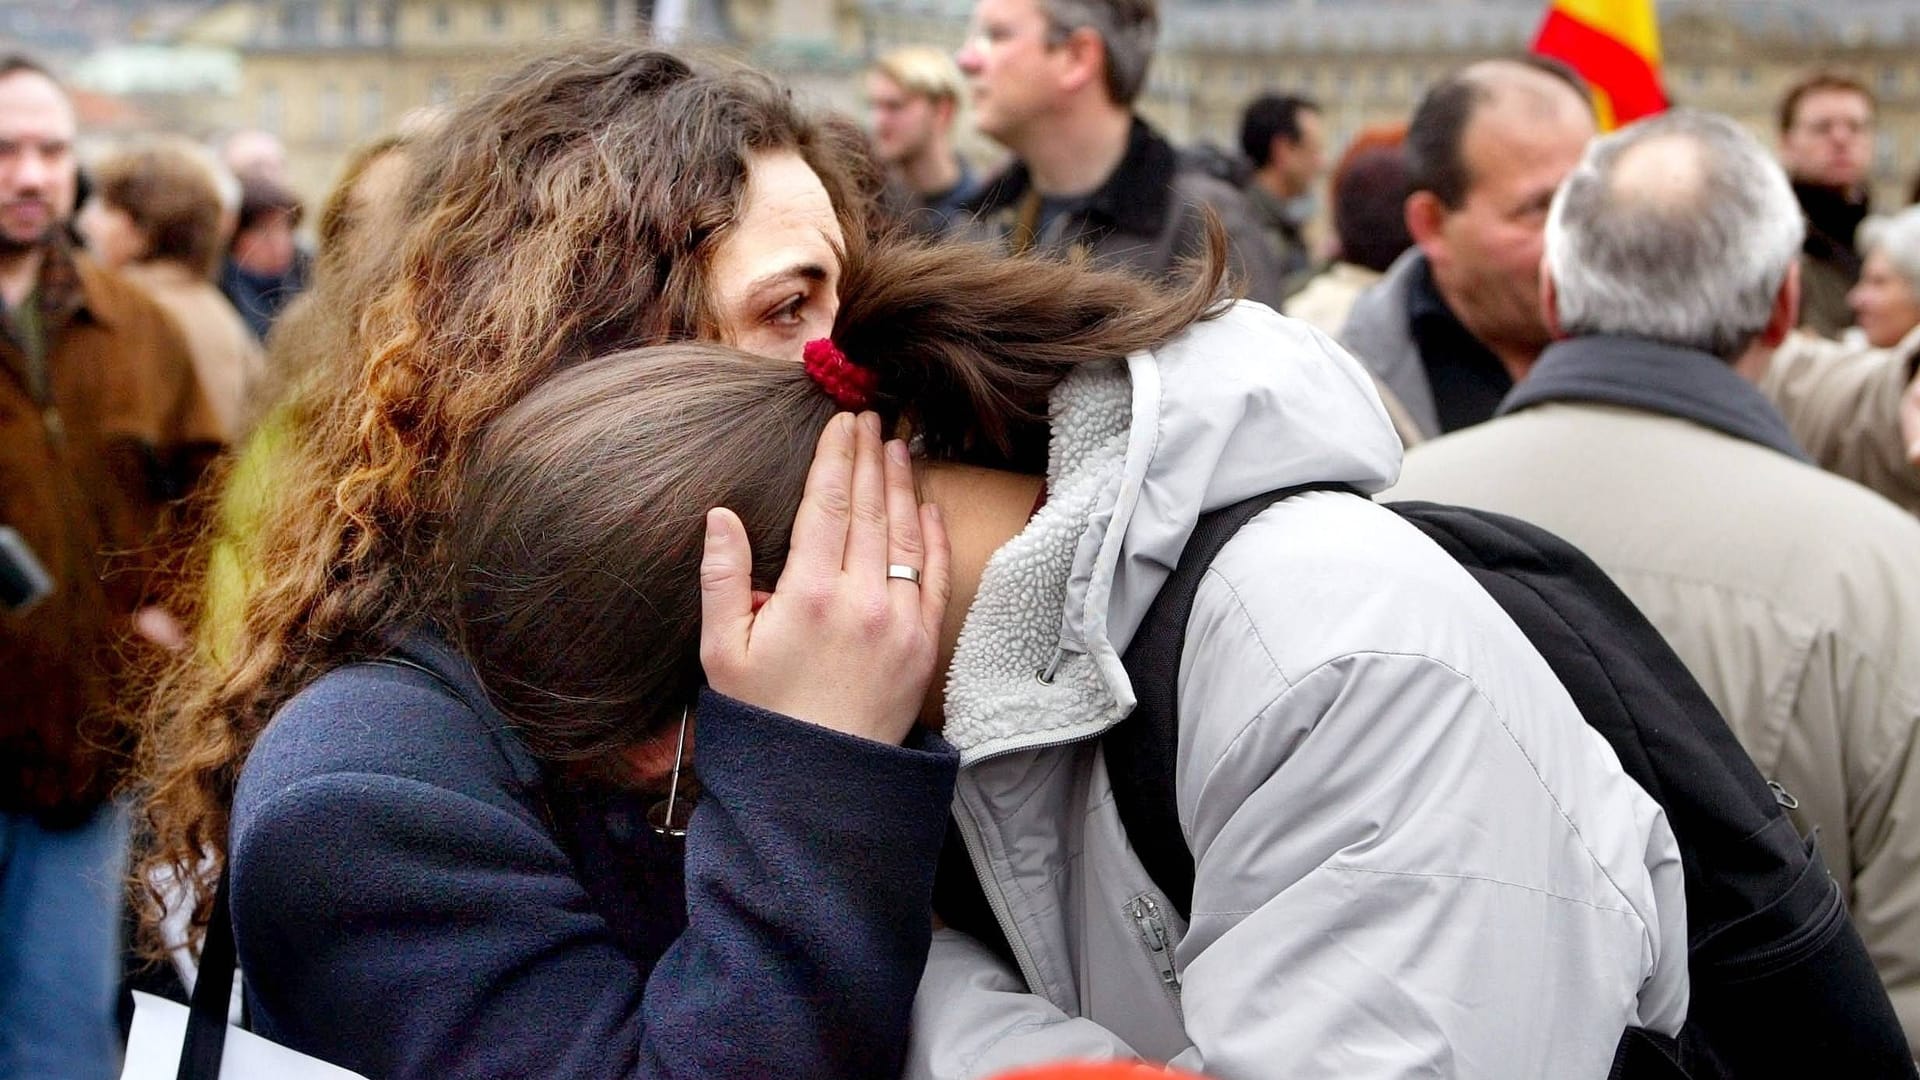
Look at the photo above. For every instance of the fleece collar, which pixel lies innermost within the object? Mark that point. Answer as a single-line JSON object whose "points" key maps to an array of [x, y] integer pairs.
{"points": [[1245, 403]]}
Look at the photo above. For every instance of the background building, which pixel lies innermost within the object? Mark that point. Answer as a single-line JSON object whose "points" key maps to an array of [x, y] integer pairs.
{"points": [[327, 74]]}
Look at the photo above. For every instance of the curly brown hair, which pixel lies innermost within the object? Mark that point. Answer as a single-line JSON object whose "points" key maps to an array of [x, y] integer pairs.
{"points": [[569, 211]]}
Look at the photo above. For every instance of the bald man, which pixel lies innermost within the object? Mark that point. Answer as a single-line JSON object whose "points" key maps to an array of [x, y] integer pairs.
{"points": [[1456, 321]]}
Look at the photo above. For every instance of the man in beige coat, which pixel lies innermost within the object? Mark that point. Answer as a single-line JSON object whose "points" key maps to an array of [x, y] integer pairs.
{"points": [[1793, 595]]}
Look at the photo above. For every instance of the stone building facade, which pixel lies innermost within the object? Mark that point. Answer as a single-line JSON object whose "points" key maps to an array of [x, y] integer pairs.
{"points": [[327, 74]]}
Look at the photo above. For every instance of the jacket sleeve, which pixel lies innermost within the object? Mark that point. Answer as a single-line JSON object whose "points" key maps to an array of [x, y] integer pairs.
{"points": [[1408, 878], [406, 930], [1843, 405], [1368, 902]]}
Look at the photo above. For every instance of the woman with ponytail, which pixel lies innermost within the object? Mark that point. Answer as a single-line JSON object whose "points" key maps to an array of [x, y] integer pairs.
{"points": [[1412, 855]]}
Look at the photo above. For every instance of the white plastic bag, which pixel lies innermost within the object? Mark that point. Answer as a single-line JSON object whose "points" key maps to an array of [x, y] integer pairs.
{"points": [[160, 1029]]}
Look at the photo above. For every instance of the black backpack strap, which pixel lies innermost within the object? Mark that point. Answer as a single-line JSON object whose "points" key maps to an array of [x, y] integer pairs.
{"points": [[1140, 750], [212, 992]]}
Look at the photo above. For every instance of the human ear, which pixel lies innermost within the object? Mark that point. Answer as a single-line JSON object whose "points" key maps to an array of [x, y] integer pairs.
{"points": [[1786, 309], [1426, 221], [1086, 57], [1550, 303]]}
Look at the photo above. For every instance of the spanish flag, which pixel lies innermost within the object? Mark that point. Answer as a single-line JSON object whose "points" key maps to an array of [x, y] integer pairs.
{"points": [[1615, 46]]}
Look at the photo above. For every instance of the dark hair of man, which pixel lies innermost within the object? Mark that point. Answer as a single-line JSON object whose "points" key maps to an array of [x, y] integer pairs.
{"points": [[1271, 116], [1817, 83], [14, 63], [1436, 137], [261, 197]]}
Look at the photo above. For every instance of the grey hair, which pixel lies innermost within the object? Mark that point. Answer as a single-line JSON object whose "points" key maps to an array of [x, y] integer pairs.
{"points": [[1698, 265], [1897, 236], [1127, 29]]}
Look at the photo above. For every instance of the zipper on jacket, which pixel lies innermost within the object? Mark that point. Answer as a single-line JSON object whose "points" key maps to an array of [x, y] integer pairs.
{"points": [[997, 898], [1151, 925], [1782, 796]]}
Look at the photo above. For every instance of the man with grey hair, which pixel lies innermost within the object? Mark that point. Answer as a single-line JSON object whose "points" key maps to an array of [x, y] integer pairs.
{"points": [[1671, 276], [1054, 81]]}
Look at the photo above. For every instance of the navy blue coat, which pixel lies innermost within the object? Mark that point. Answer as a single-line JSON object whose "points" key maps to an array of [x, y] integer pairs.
{"points": [[414, 896]]}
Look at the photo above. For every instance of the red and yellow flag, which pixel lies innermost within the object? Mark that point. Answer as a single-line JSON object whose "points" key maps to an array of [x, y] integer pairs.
{"points": [[1615, 46]]}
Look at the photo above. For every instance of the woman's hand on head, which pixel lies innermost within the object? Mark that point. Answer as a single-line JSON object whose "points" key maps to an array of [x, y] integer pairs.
{"points": [[839, 643]]}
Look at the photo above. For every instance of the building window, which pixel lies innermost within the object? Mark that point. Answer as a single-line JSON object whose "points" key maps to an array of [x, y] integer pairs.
{"points": [[552, 17], [1889, 81], [440, 90], [1382, 80], [330, 112], [1744, 76], [496, 17], [373, 109], [442, 18], [269, 108], [298, 21], [350, 21]]}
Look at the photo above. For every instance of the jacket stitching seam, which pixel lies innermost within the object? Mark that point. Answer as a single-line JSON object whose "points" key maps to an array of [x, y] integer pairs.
{"points": [[1549, 893], [1246, 615], [1327, 664]]}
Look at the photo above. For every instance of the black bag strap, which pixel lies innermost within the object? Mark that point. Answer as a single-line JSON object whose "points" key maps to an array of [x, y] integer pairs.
{"points": [[212, 992], [1140, 749]]}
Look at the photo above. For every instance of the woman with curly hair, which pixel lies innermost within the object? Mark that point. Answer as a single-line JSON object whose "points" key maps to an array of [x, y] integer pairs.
{"points": [[418, 884]]}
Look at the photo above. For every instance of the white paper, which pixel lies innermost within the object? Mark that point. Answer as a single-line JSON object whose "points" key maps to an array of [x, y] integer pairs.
{"points": [[160, 1028]]}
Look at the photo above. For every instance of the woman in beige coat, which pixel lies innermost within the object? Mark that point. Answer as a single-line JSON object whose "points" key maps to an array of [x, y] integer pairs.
{"points": [[155, 217]]}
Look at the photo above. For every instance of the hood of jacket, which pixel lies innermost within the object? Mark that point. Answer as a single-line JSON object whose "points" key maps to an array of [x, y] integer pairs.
{"points": [[1241, 404]]}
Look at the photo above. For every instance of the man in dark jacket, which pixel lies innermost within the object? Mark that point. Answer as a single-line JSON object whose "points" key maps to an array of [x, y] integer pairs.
{"points": [[1826, 146], [1054, 81], [102, 424], [1283, 138]]}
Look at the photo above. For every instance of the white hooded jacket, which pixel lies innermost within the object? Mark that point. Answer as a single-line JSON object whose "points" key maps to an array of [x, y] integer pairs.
{"points": [[1413, 857]]}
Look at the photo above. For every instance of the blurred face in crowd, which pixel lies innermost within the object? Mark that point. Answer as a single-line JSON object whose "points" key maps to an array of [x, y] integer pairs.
{"points": [[110, 233], [267, 247], [1830, 141], [1885, 304], [38, 174], [256, 153], [905, 124], [1301, 163], [776, 274], [1012, 69], [1486, 252]]}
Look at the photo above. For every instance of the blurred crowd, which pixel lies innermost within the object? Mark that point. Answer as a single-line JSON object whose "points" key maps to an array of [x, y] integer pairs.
{"points": [[363, 577]]}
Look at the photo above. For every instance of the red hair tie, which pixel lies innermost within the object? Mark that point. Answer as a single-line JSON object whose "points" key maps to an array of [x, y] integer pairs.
{"points": [[849, 385]]}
